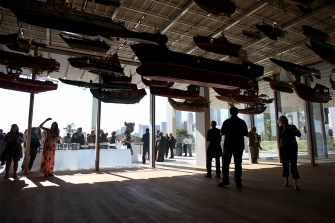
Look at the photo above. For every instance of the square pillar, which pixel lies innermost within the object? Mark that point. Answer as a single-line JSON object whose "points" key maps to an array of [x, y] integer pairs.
{"points": [[202, 125], [171, 120]]}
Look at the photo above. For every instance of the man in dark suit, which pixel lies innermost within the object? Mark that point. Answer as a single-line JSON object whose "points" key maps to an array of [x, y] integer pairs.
{"points": [[145, 140], [214, 150], [172, 144]]}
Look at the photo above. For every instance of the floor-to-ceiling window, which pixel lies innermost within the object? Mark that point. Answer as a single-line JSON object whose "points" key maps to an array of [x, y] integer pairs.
{"points": [[265, 124]]}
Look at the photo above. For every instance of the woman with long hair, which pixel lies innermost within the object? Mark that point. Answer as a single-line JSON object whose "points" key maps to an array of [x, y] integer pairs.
{"points": [[48, 155], [13, 149]]}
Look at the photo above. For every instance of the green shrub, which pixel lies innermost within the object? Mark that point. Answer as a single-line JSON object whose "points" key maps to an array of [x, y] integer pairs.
{"points": [[330, 145], [302, 145], [269, 145]]}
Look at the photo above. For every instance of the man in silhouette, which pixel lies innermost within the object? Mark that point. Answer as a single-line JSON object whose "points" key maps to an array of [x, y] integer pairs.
{"points": [[214, 150], [234, 129], [172, 144], [145, 140]]}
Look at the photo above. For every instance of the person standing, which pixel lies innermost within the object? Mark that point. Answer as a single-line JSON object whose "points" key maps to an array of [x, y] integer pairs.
{"points": [[288, 149], [187, 145], [2, 146], [166, 145], [34, 148], [67, 138], [91, 137], [146, 144], [172, 145], [113, 140], [13, 149], [161, 148], [214, 150], [78, 137], [157, 138], [127, 141], [48, 155], [103, 137], [254, 147], [330, 133], [234, 129]]}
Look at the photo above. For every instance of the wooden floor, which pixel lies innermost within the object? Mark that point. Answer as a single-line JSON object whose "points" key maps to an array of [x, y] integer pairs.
{"points": [[170, 193]]}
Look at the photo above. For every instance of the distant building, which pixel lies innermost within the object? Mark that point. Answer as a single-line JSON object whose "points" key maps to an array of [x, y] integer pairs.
{"points": [[215, 114], [178, 119], [141, 129], [190, 122], [184, 125], [164, 127]]}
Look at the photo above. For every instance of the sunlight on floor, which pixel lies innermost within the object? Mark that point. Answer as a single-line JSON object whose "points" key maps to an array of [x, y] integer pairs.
{"points": [[115, 176], [28, 182]]}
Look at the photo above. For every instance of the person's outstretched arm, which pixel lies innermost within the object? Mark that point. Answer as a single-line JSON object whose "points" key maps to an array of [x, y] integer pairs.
{"points": [[41, 125]]}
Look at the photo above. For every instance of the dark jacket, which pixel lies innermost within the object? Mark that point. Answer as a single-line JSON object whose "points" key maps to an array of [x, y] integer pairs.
{"points": [[78, 138], [145, 140], [13, 146], [161, 143], [234, 129], [113, 139], [172, 142], [287, 136], [214, 147], [34, 142]]}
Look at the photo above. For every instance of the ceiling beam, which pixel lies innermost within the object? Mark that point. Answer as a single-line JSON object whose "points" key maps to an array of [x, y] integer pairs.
{"points": [[189, 5], [232, 22], [296, 21]]}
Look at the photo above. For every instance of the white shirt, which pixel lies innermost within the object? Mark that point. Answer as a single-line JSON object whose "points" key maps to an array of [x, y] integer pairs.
{"points": [[187, 141]]}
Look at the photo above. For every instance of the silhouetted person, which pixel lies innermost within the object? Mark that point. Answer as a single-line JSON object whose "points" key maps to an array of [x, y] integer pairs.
{"points": [[330, 133], [161, 148], [34, 148], [146, 144], [13, 149], [157, 138], [67, 138], [288, 149], [172, 145], [167, 146], [78, 137], [113, 140], [103, 136], [214, 150], [234, 129], [91, 137]]}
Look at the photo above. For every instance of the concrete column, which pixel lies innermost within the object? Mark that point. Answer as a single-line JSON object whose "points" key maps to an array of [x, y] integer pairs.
{"points": [[202, 124], [171, 120], [94, 114]]}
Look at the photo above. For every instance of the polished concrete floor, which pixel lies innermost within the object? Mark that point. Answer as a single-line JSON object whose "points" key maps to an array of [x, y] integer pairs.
{"points": [[175, 191]]}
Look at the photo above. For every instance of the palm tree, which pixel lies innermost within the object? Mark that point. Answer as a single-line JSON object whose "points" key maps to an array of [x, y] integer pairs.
{"points": [[70, 128]]}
